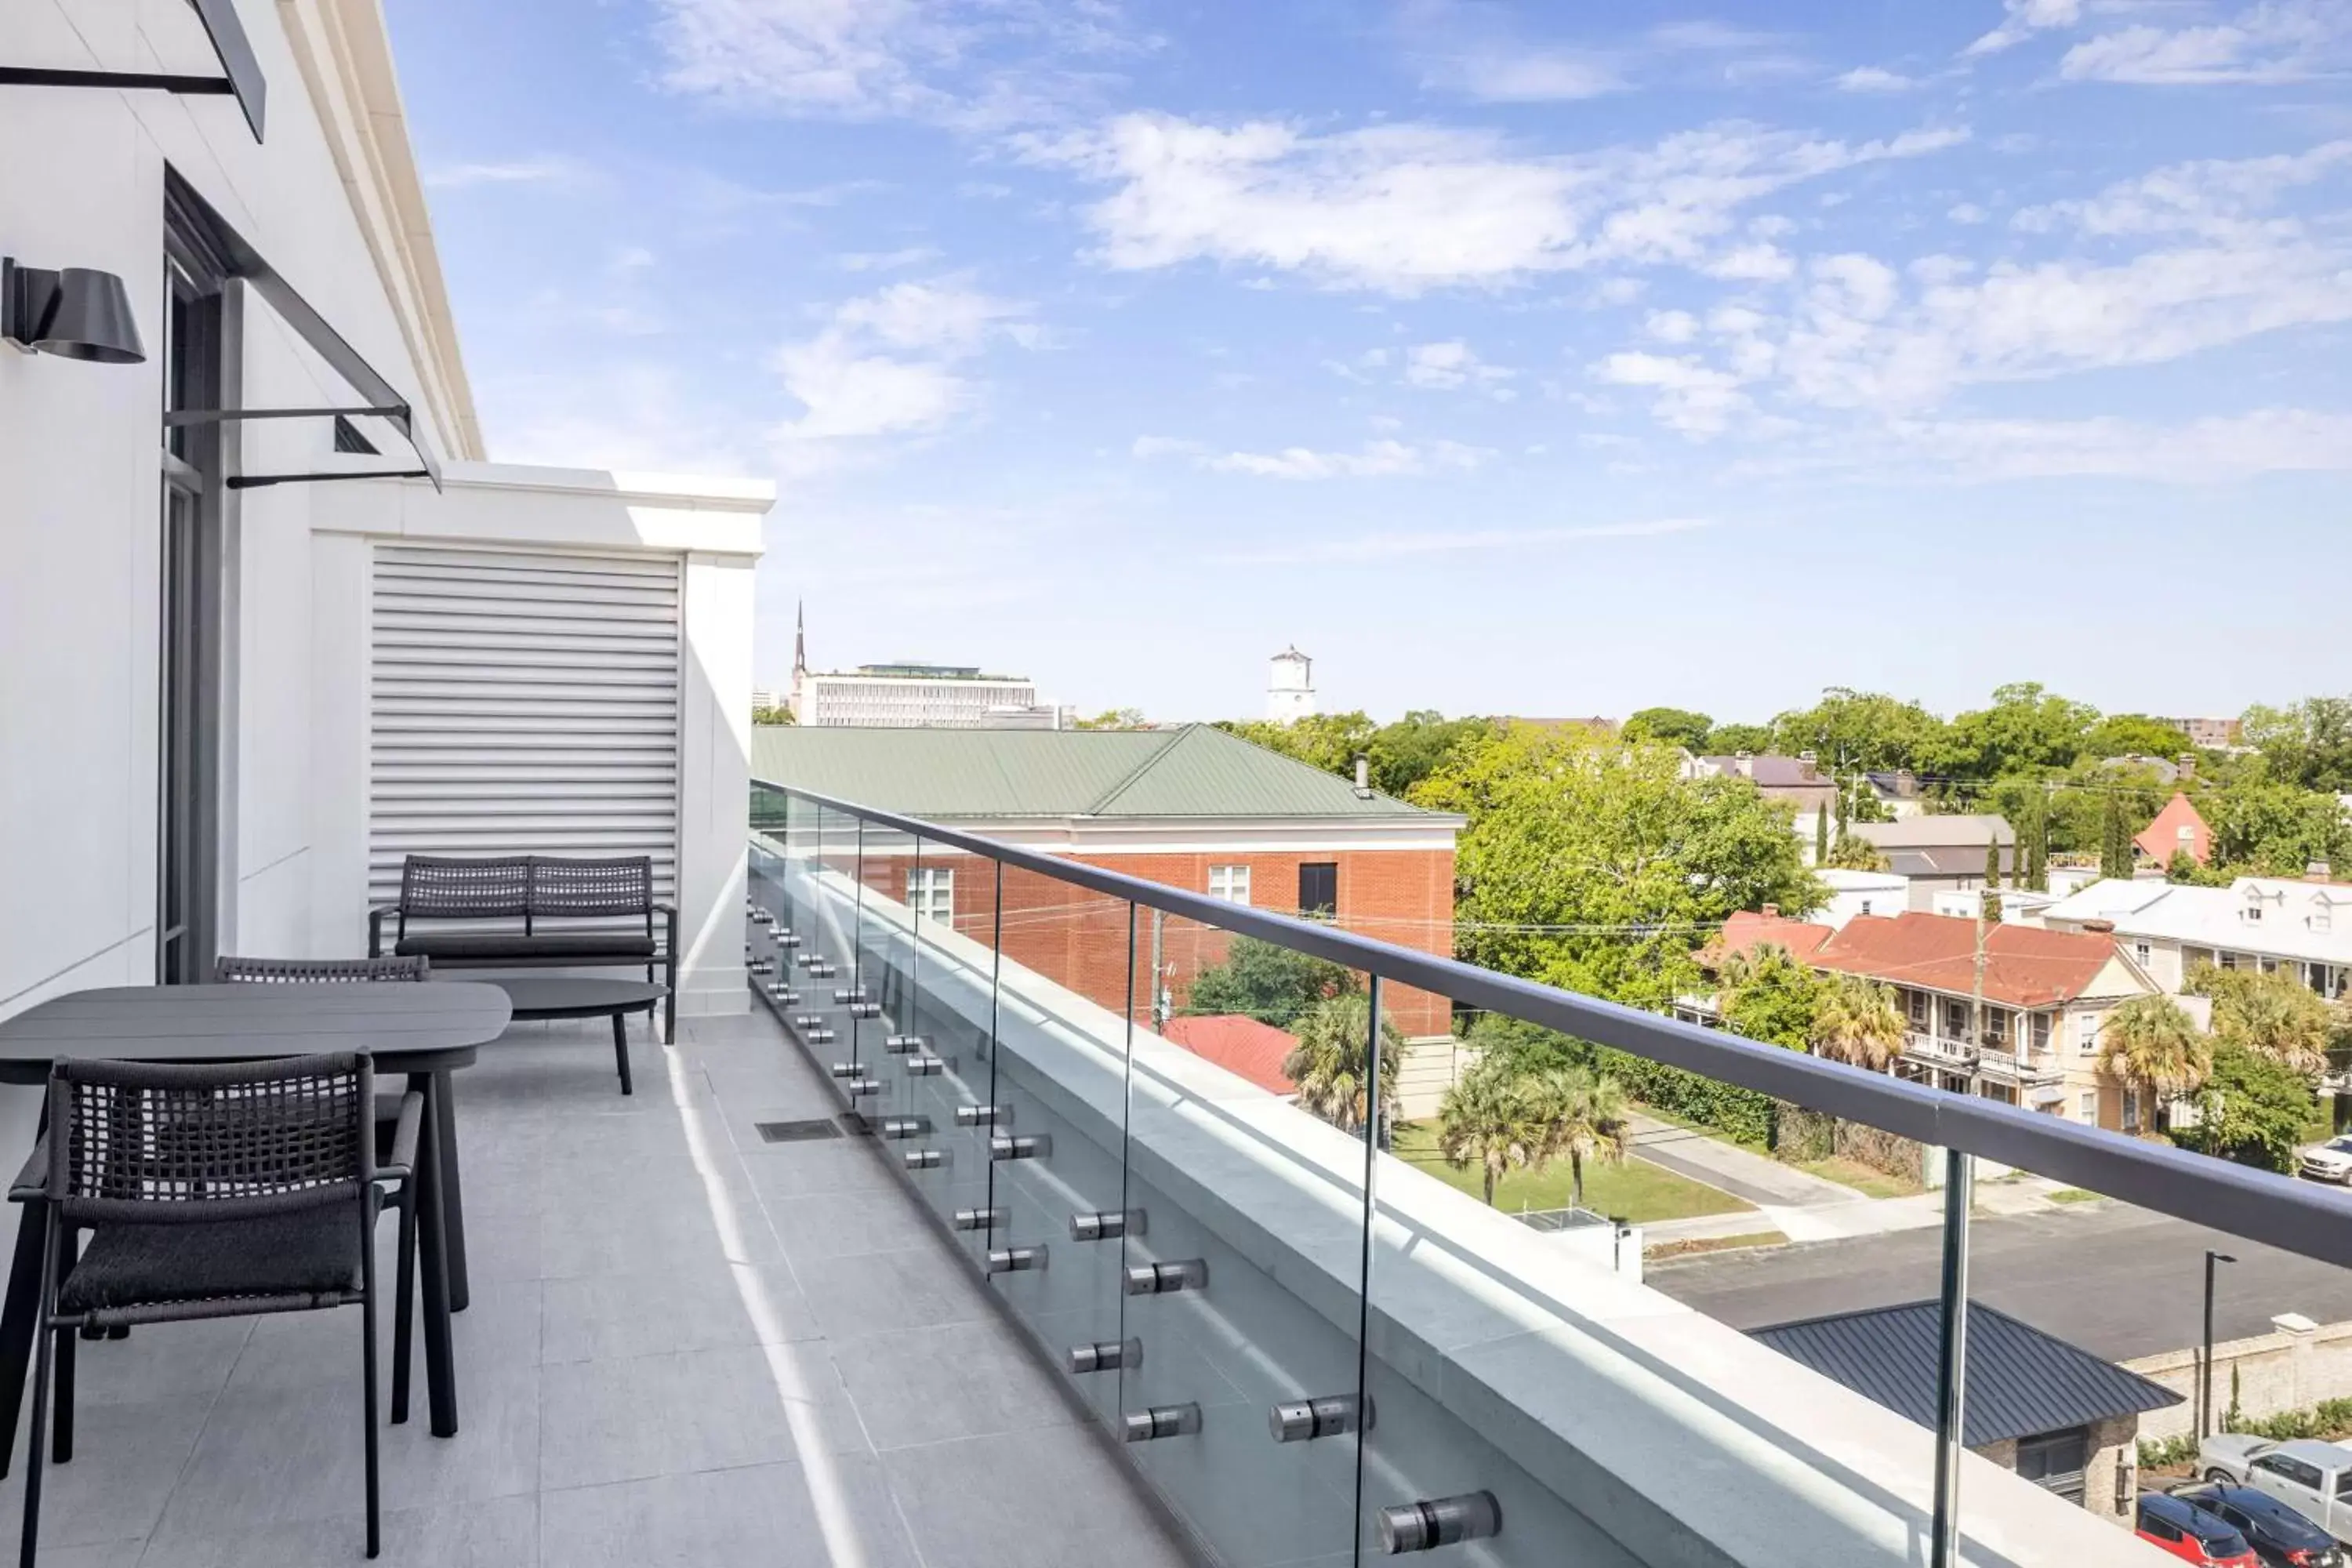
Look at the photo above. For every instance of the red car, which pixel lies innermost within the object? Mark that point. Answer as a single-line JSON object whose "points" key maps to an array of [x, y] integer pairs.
{"points": [[2193, 1534]]}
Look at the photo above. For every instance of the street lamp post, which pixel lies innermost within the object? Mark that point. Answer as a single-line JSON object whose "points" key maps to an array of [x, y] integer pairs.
{"points": [[2205, 1372]]}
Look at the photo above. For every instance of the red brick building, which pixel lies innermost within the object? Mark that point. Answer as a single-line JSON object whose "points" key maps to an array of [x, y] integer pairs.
{"points": [[1190, 807]]}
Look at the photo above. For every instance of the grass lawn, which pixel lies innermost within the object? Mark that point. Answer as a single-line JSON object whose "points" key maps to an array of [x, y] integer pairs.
{"points": [[2063, 1195], [1660, 1251], [1635, 1190], [1867, 1180]]}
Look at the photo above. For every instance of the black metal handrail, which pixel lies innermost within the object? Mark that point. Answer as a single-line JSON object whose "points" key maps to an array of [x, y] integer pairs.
{"points": [[2259, 1206]]}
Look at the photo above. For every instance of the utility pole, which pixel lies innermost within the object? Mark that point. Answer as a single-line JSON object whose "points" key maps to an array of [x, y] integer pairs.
{"points": [[1976, 996]]}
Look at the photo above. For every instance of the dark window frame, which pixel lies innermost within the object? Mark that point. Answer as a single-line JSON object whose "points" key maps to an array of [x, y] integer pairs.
{"points": [[1313, 877]]}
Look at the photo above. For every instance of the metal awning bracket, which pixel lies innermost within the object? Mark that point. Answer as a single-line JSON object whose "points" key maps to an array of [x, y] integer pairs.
{"points": [[241, 78]]}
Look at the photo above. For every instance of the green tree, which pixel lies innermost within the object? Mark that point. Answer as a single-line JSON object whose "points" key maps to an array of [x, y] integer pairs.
{"points": [[1730, 739], [2272, 1014], [2151, 1045], [1821, 837], [2116, 853], [1331, 741], [1851, 730], [773, 716], [2269, 828], [1331, 1064], [1765, 995], [1586, 1118], [1856, 1021], [1417, 745], [2183, 871], [2251, 1110], [1525, 1048], [1853, 852], [1675, 726], [2307, 744], [2026, 728], [1114, 719], [2134, 735], [1266, 981], [1491, 1120], [1589, 864]]}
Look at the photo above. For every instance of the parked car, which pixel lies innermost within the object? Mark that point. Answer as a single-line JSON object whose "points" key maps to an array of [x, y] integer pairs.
{"points": [[2329, 1162], [2281, 1537], [2191, 1534], [2312, 1478]]}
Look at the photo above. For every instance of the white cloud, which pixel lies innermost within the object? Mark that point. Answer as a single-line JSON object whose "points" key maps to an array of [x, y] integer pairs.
{"points": [[1402, 208], [1671, 326], [1694, 398], [974, 62], [1874, 79], [549, 169], [2273, 41], [1966, 212], [2217, 263], [885, 261], [1374, 459], [1444, 366], [887, 363], [1500, 73], [630, 417], [2023, 19], [1394, 546], [1751, 264], [2211, 450]]}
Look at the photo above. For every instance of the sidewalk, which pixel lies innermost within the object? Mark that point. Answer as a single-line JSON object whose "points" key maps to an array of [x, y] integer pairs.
{"points": [[1853, 1216], [1727, 1167]]}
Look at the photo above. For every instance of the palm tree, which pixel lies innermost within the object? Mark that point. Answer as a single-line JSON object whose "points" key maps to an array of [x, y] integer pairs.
{"points": [[2151, 1045], [1330, 1064], [1489, 1118], [1587, 1119], [1856, 1021], [2273, 1016]]}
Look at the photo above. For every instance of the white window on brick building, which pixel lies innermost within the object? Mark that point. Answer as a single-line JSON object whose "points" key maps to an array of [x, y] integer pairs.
{"points": [[2087, 1104], [931, 893], [1230, 883]]}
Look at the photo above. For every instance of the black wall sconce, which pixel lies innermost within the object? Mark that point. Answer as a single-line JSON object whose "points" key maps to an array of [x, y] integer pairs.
{"points": [[75, 312]]}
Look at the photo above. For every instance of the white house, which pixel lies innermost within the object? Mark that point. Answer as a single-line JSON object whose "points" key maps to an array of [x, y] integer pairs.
{"points": [[1855, 893], [1289, 686], [268, 620], [2255, 922]]}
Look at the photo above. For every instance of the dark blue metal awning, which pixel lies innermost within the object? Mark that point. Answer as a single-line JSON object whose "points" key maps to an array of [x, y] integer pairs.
{"points": [[241, 75]]}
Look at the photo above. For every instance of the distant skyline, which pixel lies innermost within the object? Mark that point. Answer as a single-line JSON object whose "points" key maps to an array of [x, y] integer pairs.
{"points": [[1502, 360]]}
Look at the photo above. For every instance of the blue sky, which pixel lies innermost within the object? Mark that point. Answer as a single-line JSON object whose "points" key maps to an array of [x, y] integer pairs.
{"points": [[1539, 358]]}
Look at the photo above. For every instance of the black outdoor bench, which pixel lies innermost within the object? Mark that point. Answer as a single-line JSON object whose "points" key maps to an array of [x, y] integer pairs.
{"points": [[538, 902]]}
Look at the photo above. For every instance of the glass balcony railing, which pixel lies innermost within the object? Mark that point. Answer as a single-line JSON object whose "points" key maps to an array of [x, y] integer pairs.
{"points": [[1251, 1268]]}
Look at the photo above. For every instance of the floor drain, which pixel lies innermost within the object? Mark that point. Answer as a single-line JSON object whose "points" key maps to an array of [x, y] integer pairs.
{"points": [[797, 1132]]}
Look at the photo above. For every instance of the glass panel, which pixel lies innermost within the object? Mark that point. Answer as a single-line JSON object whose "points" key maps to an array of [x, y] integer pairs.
{"points": [[1262, 1202], [871, 989], [937, 1057], [1056, 1123]]}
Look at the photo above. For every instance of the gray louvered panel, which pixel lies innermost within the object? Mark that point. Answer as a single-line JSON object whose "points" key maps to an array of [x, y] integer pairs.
{"points": [[522, 701]]}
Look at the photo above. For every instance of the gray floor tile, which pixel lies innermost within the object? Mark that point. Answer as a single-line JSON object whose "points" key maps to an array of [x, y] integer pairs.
{"points": [[696, 1410], [162, 1360], [97, 1554], [649, 1231], [884, 1290], [1055, 1498], [500, 1533], [795, 1170], [837, 1512], [961, 1380], [497, 1332], [607, 1316], [824, 1225], [126, 1456]]}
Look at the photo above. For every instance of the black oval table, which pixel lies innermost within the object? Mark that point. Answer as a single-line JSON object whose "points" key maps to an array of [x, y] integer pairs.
{"points": [[425, 1032]]}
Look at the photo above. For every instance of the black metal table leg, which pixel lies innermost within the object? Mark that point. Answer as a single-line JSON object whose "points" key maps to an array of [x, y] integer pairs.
{"points": [[453, 1190], [621, 1048], [431, 1242], [16, 1319]]}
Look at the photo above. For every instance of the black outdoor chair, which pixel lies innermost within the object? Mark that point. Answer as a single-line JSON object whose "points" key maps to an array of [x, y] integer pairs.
{"points": [[229, 970], [216, 1190]]}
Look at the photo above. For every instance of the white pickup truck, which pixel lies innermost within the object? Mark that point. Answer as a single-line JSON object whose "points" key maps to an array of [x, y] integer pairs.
{"points": [[2312, 1478]]}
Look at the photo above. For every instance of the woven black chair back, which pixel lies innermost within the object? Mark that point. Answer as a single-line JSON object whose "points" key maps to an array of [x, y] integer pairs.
{"points": [[152, 1143], [566, 888], [317, 971], [437, 887]]}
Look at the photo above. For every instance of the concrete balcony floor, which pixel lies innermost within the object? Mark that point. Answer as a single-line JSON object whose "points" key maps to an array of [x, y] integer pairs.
{"points": [[685, 1347]]}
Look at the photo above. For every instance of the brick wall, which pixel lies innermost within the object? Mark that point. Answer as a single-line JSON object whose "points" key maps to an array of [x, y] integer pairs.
{"points": [[1079, 939]]}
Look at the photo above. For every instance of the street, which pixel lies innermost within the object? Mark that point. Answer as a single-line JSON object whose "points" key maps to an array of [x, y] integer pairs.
{"points": [[2118, 1281]]}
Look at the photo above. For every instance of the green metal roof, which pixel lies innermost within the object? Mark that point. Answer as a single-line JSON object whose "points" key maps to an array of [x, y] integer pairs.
{"points": [[1194, 770]]}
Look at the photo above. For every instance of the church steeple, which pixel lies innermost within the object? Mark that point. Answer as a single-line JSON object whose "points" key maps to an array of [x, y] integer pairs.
{"points": [[799, 639]]}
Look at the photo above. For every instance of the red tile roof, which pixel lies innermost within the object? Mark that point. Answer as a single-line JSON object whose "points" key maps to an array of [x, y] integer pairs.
{"points": [[2163, 836], [1746, 930], [2025, 966], [1238, 1044]]}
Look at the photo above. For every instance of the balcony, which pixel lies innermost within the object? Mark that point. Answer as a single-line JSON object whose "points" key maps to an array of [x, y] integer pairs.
{"points": [[2038, 1069], [1938, 1051], [1310, 1351]]}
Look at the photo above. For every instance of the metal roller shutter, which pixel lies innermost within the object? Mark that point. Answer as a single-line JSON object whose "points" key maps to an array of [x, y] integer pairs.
{"points": [[522, 701]]}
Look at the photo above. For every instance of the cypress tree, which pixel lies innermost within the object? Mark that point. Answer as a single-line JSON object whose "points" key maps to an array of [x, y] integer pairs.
{"points": [[1821, 835]]}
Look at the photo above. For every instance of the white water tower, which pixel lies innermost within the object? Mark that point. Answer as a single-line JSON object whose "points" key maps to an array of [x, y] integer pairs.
{"points": [[1290, 687]]}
